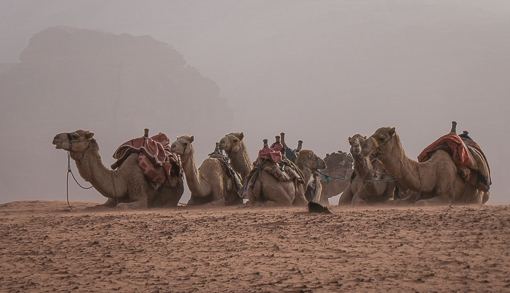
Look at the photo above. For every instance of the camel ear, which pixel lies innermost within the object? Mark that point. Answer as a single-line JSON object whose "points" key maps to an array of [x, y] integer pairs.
{"points": [[191, 139], [392, 131], [89, 135], [349, 139], [365, 137], [240, 135]]}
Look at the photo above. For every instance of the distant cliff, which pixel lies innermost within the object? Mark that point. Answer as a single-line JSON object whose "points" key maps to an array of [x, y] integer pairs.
{"points": [[113, 85]]}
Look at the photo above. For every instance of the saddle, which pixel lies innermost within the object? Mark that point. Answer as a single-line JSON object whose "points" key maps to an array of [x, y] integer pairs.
{"points": [[157, 162], [225, 163], [466, 154]]}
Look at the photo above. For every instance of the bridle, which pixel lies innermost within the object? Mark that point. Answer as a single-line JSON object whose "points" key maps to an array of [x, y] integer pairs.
{"points": [[377, 145], [70, 139]]}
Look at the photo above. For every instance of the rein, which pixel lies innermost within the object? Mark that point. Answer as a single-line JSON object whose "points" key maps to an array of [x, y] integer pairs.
{"points": [[392, 178], [67, 181]]}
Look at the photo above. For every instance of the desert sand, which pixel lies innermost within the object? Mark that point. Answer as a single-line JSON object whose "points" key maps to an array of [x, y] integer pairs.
{"points": [[46, 247]]}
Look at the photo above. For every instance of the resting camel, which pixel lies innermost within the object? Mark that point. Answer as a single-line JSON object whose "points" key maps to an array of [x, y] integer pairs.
{"points": [[269, 191], [125, 187], [436, 180], [338, 165], [364, 191], [233, 145], [209, 184]]}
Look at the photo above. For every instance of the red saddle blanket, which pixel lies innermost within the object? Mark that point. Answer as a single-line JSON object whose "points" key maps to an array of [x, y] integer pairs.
{"points": [[155, 158], [452, 144]]}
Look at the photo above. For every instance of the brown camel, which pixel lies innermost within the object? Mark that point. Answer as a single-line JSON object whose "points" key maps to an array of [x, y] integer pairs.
{"points": [[338, 171], [369, 185], [125, 187], [209, 184], [436, 180], [233, 145], [269, 191]]}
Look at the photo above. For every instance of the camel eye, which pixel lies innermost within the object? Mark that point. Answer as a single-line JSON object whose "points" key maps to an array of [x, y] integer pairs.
{"points": [[235, 140], [75, 136], [185, 144], [381, 138]]}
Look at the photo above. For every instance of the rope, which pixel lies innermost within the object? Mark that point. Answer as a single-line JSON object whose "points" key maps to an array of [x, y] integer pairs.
{"points": [[67, 180], [391, 178]]}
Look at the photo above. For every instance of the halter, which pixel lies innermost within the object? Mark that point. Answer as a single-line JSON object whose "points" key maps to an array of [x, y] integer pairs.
{"points": [[70, 138], [377, 146]]}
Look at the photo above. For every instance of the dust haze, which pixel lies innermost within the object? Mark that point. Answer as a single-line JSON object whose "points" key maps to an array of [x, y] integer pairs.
{"points": [[320, 71]]}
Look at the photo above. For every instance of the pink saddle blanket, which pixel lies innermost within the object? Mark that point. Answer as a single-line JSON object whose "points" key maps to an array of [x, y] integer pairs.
{"points": [[155, 158], [272, 153]]}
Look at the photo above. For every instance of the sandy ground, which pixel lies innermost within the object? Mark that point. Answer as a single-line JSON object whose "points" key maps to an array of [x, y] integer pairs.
{"points": [[44, 247]]}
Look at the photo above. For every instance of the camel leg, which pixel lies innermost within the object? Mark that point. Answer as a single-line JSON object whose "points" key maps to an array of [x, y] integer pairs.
{"points": [[110, 203], [485, 196], [136, 193], [300, 199], [359, 198], [346, 197], [435, 201], [276, 195]]}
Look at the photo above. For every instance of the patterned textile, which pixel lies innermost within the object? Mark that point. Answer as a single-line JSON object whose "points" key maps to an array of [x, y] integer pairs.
{"points": [[155, 158], [272, 153]]}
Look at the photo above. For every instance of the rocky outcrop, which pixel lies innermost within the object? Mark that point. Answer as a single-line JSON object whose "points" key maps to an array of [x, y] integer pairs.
{"points": [[71, 78]]}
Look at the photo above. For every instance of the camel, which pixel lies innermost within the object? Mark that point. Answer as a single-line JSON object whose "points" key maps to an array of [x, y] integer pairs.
{"points": [[233, 145], [370, 185], [338, 165], [127, 187], [436, 181], [266, 190], [209, 184]]}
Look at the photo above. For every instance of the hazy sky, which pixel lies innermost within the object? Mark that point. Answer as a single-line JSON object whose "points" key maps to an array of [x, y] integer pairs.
{"points": [[319, 70]]}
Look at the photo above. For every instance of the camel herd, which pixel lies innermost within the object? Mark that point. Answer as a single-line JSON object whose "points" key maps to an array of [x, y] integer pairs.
{"points": [[376, 171]]}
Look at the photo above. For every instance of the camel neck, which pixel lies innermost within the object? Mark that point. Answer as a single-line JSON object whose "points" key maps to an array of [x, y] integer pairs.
{"points": [[361, 167], [239, 160], [195, 184], [91, 169], [307, 173], [398, 164]]}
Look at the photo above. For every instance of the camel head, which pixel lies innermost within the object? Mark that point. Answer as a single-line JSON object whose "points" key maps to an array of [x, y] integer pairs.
{"points": [[338, 160], [76, 142], [310, 159], [356, 143], [377, 142], [231, 141], [181, 145]]}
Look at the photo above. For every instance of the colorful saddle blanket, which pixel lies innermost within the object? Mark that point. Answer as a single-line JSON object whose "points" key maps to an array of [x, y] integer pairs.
{"points": [[155, 158], [464, 152]]}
